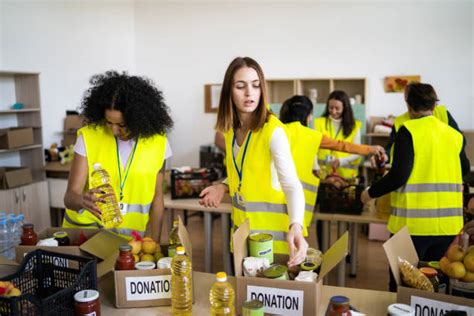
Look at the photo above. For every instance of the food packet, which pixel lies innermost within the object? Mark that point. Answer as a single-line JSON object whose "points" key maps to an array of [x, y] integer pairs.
{"points": [[414, 277]]}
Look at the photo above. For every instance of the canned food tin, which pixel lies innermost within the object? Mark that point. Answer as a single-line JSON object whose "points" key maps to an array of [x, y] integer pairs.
{"points": [[276, 271], [261, 246], [252, 308], [308, 266]]}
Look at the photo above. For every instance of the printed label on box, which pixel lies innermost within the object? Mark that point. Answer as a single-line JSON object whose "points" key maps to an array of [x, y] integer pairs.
{"points": [[428, 307], [148, 288], [59, 262], [277, 301]]}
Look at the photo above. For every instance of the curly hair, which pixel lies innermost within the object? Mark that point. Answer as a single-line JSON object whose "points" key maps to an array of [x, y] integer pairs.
{"points": [[140, 102]]}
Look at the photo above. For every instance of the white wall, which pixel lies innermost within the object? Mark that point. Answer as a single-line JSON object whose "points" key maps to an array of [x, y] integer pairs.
{"points": [[67, 41], [184, 45]]}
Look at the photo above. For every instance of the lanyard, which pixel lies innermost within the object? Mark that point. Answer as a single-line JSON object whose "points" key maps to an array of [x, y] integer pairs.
{"points": [[129, 164], [240, 172]]}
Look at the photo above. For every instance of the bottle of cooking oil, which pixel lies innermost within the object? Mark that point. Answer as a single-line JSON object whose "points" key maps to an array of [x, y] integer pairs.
{"points": [[221, 296], [173, 236], [181, 284], [111, 216]]}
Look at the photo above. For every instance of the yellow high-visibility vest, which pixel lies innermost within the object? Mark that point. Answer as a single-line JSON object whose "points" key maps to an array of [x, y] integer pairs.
{"points": [[264, 205], [430, 203], [325, 126], [440, 112], [139, 187], [304, 143]]}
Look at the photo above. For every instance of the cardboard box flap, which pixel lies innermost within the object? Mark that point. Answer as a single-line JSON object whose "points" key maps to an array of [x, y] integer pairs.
{"points": [[239, 243], [400, 245], [107, 265], [334, 255], [103, 244], [184, 238]]}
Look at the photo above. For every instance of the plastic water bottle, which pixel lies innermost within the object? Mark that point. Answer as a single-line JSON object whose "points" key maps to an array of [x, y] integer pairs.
{"points": [[17, 229], [11, 223], [222, 296], [181, 284], [111, 216], [3, 237], [173, 236]]}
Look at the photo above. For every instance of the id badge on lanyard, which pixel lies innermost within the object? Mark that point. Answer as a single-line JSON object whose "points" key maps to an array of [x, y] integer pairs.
{"points": [[239, 197], [123, 208]]}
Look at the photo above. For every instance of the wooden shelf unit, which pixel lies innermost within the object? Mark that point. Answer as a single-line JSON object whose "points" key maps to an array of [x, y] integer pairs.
{"points": [[281, 89], [32, 199]]}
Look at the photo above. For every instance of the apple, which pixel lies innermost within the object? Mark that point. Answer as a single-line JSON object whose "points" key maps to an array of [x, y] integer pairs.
{"points": [[469, 261], [455, 253], [456, 270], [147, 257], [443, 263], [136, 246], [149, 245], [469, 277]]}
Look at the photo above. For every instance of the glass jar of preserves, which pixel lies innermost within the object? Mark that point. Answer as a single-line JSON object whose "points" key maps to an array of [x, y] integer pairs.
{"points": [[432, 275], [125, 260], [86, 303], [62, 238], [29, 237], [339, 306]]}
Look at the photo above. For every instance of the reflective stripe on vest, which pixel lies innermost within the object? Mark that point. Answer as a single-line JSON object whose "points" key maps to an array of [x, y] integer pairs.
{"points": [[304, 144], [430, 203], [430, 187], [139, 188], [325, 126], [265, 206]]}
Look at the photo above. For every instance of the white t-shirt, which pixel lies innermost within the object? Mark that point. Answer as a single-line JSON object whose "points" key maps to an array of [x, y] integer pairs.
{"points": [[284, 175], [125, 149]]}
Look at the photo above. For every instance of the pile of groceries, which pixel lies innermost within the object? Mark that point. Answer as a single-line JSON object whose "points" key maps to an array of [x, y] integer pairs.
{"points": [[260, 263], [453, 274]]}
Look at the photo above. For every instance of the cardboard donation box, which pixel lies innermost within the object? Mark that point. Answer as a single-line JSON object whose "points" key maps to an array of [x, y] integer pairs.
{"points": [[101, 244], [143, 288], [424, 302], [282, 297], [16, 137], [12, 177], [73, 234]]}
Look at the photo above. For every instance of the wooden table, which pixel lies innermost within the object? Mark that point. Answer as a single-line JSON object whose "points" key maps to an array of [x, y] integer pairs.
{"points": [[342, 220], [224, 210], [366, 301]]}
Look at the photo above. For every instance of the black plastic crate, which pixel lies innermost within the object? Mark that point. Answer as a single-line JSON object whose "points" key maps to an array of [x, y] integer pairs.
{"points": [[340, 200], [189, 184], [48, 282]]}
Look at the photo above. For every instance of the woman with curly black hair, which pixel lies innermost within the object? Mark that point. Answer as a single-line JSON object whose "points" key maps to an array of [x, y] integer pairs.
{"points": [[126, 124]]}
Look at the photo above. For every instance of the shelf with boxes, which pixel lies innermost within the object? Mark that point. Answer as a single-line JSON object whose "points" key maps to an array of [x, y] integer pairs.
{"points": [[318, 90], [23, 188]]}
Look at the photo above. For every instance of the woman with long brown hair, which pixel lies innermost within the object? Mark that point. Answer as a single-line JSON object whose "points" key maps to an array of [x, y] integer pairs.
{"points": [[262, 179]]}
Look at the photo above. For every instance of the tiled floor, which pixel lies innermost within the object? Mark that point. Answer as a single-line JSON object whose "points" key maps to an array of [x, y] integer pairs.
{"points": [[372, 272]]}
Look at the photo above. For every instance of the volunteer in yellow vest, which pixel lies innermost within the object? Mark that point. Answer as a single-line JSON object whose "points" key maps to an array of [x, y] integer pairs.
{"points": [[425, 180], [126, 123], [440, 112], [262, 178], [337, 122], [296, 113]]}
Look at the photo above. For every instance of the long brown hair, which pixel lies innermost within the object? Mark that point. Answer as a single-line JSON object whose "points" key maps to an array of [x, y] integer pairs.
{"points": [[227, 116], [348, 120]]}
